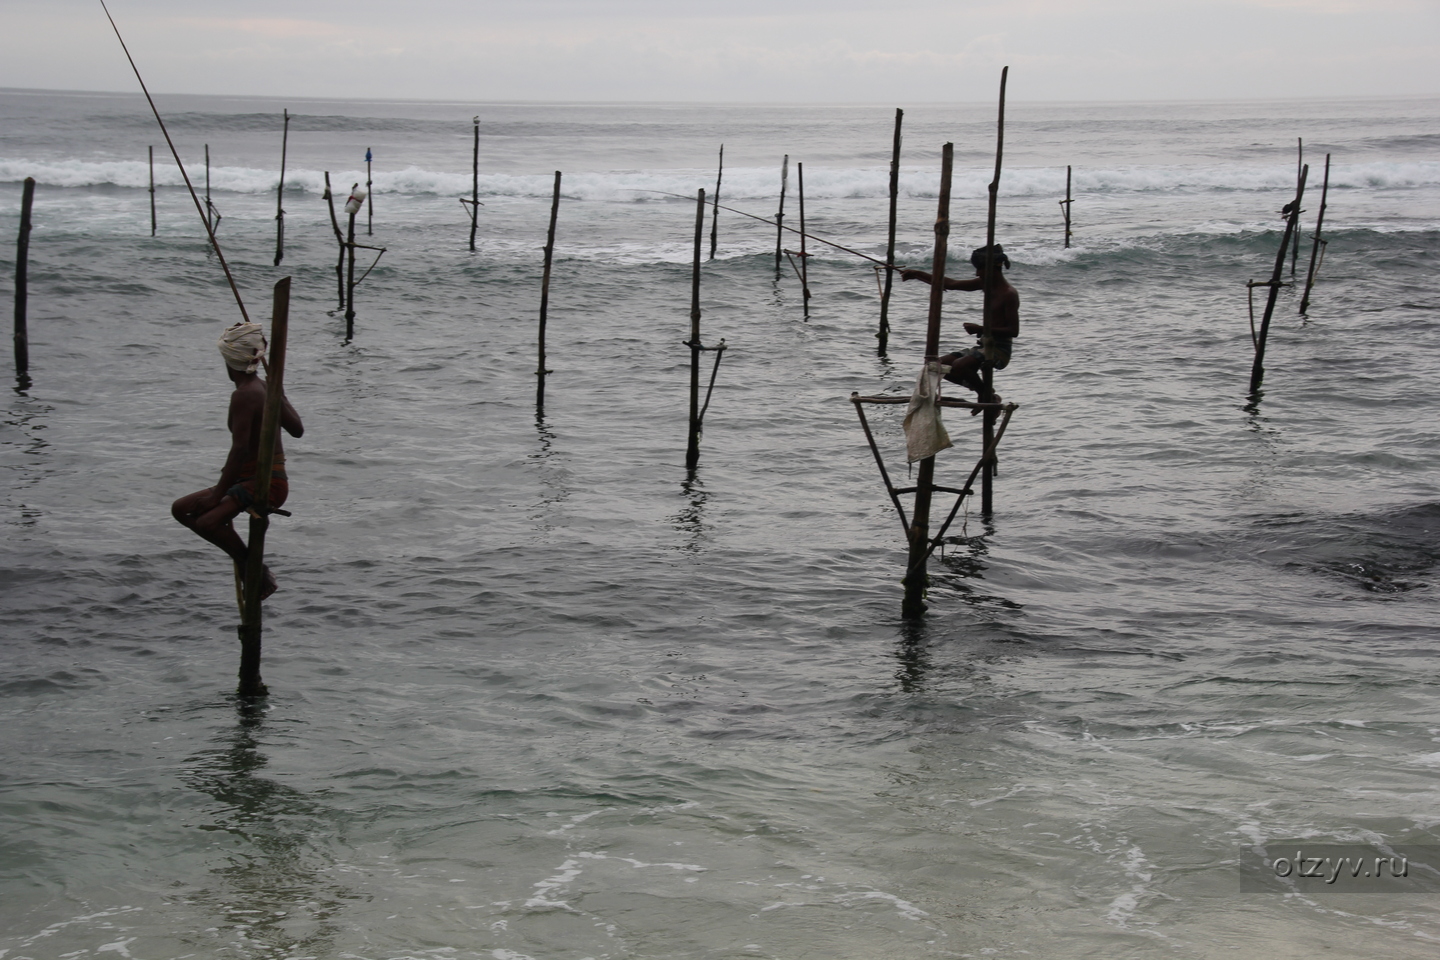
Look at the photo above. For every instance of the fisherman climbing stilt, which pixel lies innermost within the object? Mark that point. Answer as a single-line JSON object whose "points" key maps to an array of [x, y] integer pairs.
{"points": [[1003, 321]]}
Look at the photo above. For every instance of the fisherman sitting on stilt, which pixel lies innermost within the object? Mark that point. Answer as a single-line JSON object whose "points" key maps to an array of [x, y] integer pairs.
{"points": [[209, 512], [993, 349]]}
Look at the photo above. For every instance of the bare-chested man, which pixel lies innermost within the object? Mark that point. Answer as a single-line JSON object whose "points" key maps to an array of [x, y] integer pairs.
{"points": [[1004, 318], [209, 512]]}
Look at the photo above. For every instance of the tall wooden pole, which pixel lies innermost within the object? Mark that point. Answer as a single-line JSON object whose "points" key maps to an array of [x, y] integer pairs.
{"points": [[339, 240], [251, 620], [540, 370], [883, 334], [1319, 243], [1299, 168], [350, 270], [715, 205], [369, 197], [780, 215], [212, 220], [1066, 205], [692, 448], [22, 281], [915, 576], [992, 268], [152, 191], [280, 194], [1257, 370], [475, 186], [804, 255]]}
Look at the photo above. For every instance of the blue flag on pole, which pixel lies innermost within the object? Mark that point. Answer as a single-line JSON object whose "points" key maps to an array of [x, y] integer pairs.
{"points": [[367, 155]]}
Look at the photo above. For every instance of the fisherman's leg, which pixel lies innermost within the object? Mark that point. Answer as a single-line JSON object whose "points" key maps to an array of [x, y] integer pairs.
{"points": [[218, 527], [188, 508]]}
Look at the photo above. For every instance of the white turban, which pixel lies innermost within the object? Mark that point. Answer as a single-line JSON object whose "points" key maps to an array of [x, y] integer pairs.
{"points": [[243, 346]]}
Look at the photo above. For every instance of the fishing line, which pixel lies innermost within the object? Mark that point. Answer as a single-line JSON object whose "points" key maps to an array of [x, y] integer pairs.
{"points": [[773, 223], [176, 154]]}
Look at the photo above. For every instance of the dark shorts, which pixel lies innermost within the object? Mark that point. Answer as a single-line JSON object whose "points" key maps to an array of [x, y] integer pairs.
{"points": [[244, 492], [1000, 349]]}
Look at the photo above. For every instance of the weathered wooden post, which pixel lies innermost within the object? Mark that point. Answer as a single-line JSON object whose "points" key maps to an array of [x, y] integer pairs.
{"points": [[339, 239], [369, 197], [280, 194], [1065, 206], [22, 282], [780, 215], [251, 622], [1299, 168], [152, 191], [212, 212], [1318, 246], [715, 205], [474, 201], [540, 370], [919, 532], [352, 208], [692, 446], [883, 334], [804, 254], [1292, 218], [992, 267]]}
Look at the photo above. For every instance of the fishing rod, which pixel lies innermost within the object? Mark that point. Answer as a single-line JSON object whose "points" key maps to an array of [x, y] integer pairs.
{"points": [[773, 223], [176, 154]]}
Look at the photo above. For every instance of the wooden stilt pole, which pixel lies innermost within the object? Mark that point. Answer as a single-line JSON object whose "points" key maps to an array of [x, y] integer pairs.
{"points": [[280, 194], [251, 623], [369, 196], [883, 334], [152, 191], [987, 475], [350, 271], [715, 205], [1065, 205], [212, 212], [475, 187], [1318, 244], [692, 448], [780, 215], [339, 239], [1299, 167], [540, 370], [1292, 219], [22, 284], [916, 577], [804, 255]]}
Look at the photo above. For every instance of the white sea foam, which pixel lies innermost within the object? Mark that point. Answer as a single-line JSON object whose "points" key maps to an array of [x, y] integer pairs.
{"points": [[752, 183]]}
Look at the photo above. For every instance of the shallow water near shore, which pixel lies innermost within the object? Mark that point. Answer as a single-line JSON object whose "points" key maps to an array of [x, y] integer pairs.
{"points": [[537, 693]]}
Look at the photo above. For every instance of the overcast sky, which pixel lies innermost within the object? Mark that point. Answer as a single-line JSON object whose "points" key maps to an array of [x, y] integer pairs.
{"points": [[737, 50]]}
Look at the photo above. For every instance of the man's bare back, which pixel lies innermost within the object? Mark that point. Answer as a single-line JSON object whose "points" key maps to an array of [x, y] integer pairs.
{"points": [[211, 512]]}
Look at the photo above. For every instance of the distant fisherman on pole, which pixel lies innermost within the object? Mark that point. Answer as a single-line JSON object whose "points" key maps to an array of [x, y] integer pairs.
{"points": [[994, 348], [209, 512]]}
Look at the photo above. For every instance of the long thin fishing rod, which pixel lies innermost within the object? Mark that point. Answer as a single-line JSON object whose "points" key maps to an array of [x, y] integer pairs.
{"points": [[772, 223], [176, 154]]}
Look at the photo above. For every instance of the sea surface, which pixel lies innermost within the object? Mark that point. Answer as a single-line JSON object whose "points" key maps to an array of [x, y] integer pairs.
{"points": [[536, 693]]}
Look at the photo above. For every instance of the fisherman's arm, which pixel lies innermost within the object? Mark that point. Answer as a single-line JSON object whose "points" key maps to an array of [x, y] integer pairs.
{"points": [[950, 282], [289, 419]]}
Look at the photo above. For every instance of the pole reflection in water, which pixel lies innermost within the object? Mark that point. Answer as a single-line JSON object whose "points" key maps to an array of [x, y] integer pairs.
{"points": [[554, 475], [913, 652], [272, 889], [691, 518], [963, 566]]}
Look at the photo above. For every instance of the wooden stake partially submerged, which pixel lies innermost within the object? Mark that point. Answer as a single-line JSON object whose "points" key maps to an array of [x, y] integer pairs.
{"points": [[1292, 219], [540, 370], [715, 205], [802, 268], [22, 285], [987, 491], [883, 334], [346, 279], [780, 215], [1318, 245], [251, 621], [697, 410], [473, 205], [280, 194], [1065, 206], [152, 191], [212, 212]]}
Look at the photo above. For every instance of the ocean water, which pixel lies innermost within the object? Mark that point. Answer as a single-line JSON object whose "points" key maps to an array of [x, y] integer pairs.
{"points": [[538, 693]]}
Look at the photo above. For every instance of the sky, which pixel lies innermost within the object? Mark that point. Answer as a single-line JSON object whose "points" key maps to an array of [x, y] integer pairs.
{"points": [[845, 51]]}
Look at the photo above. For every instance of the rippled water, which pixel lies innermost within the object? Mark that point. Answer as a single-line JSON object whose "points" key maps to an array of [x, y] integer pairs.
{"points": [[537, 694]]}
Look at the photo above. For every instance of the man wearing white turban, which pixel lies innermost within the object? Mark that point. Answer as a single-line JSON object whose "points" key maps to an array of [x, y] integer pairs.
{"points": [[210, 512]]}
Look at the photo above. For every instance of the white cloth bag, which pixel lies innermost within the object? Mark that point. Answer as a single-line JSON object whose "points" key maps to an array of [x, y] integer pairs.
{"points": [[925, 435]]}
